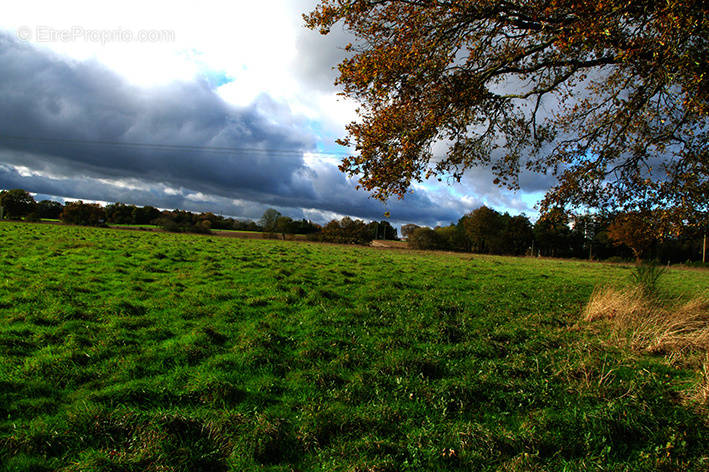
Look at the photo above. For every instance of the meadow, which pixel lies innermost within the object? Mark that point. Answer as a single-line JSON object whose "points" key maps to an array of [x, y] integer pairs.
{"points": [[146, 351]]}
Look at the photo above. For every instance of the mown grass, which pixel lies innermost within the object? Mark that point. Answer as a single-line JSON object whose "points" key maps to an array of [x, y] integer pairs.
{"points": [[133, 226], [124, 350], [238, 231]]}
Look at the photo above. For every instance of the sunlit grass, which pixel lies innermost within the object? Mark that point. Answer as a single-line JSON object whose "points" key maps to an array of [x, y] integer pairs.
{"points": [[126, 350]]}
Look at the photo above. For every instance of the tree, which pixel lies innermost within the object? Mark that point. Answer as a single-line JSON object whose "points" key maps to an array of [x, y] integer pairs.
{"points": [[635, 230], [247, 226], [490, 232], [453, 237], [407, 229], [86, 214], [284, 224], [16, 203], [553, 234], [180, 221], [269, 220], [382, 230], [120, 213], [483, 228], [627, 80], [49, 209], [517, 234], [305, 227], [346, 231], [426, 238], [145, 215]]}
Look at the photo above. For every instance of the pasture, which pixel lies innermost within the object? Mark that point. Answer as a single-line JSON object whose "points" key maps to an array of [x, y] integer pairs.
{"points": [[147, 351]]}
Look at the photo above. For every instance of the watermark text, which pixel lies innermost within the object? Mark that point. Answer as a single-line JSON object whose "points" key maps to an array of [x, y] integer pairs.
{"points": [[49, 34]]}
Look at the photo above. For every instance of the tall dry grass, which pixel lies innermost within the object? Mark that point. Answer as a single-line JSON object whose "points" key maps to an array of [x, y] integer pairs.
{"points": [[676, 330]]}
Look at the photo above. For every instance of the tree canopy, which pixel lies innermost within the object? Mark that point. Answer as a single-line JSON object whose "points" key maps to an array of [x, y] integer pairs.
{"points": [[608, 97], [16, 203], [269, 220]]}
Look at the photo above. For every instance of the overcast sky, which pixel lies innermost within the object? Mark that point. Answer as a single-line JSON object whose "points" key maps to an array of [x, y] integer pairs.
{"points": [[92, 92]]}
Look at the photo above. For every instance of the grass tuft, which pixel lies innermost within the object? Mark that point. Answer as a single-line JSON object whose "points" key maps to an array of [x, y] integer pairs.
{"points": [[646, 276], [652, 327], [622, 306]]}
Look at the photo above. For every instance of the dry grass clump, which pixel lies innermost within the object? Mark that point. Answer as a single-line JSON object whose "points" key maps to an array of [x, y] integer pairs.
{"points": [[619, 305], [701, 392], [686, 327], [650, 326]]}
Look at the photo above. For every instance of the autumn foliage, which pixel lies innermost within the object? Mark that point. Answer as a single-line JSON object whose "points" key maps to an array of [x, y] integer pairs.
{"points": [[609, 97], [636, 231]]}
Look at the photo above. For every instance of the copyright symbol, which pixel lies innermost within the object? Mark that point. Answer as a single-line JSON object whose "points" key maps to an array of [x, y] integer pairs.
{"points": [[24, 33]]}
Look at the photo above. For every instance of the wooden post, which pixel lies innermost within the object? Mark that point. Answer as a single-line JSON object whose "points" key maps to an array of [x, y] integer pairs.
{"points": [[704, 249]]}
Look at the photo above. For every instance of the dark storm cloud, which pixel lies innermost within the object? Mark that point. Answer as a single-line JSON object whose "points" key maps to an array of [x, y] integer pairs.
{"points": [[43, 95], [419, 209], [102, 190]]}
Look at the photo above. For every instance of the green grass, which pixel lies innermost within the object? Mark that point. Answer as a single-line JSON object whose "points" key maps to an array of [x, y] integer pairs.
{"points": [[124, 350], [133, 226], [237, 231]]}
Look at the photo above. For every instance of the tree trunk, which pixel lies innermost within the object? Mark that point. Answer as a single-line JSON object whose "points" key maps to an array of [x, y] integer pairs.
{"points": [[637, 254]]}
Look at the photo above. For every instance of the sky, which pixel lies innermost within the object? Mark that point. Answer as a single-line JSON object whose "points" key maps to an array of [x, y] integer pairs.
{"points": [[215, 106]]}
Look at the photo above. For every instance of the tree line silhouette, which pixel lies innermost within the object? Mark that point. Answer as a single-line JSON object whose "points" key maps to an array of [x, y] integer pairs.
{"points": [[19, 204], [618, 236]]}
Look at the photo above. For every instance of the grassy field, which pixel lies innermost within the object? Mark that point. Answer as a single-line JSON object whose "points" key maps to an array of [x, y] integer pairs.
{"points": [[127, 350], [134, 226], [220, 232]]}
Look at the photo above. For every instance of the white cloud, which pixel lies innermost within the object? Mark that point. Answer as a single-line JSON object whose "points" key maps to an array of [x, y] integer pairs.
{"points": [[198, 197], [251, 44]]}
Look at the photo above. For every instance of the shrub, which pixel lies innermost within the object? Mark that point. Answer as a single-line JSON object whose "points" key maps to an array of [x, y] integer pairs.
{"points": [[346, 231], [650, 326], [173, 226], [32, 217], [697, 264], [617, 260], [426, 238]]}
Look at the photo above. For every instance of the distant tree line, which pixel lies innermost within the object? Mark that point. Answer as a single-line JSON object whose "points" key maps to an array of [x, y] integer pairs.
{"points": [[349, 231], [274, 223], [620, 236], [19, 204], [343, 231]]}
